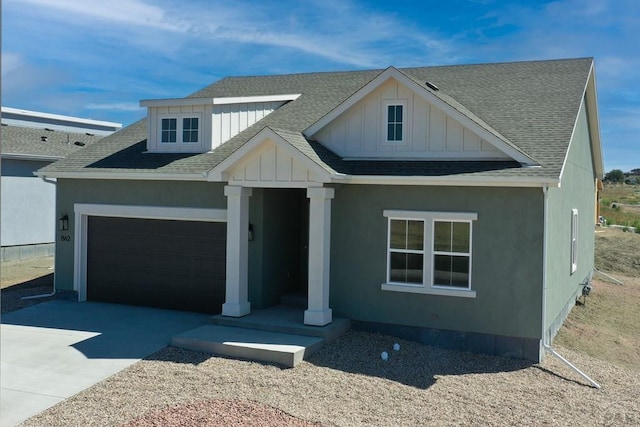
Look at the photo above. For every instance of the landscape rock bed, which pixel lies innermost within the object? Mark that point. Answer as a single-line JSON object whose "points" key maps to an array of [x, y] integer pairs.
{"points": [[347, 384]]}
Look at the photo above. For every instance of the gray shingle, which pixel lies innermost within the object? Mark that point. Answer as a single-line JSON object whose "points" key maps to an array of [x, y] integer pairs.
{"points": [[26, 141], [532, 104]]}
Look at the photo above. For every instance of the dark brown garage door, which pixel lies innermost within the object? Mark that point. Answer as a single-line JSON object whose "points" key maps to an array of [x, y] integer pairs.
{"points": [[178, 265]]}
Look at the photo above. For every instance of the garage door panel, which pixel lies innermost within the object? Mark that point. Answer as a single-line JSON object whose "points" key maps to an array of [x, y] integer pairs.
{"points": [[169, 264]]}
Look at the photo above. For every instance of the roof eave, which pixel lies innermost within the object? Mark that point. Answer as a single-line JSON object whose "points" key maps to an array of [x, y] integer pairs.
{"points": [[594, 123], [449, 181], [135, 176], [32, 157]]}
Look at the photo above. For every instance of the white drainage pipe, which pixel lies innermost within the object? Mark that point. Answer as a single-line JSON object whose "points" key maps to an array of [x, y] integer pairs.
{"points": [[572, 366], [605, 275]]}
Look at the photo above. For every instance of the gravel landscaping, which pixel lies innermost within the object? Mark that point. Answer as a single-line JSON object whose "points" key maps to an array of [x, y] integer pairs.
{"points": [[347, 384]]}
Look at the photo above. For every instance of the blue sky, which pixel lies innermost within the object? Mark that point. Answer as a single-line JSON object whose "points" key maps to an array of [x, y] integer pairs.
{"points": [[97, 58]]}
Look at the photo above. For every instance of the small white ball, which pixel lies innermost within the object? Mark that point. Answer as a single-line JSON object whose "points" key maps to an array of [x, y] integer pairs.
{"points": [[384, 355], [396, 347]]}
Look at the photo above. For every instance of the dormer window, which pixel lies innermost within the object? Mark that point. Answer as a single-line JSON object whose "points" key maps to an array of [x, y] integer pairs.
{"points": [[395, 122], [190, 129], [169, 130], [198, 125], [179, 130]]}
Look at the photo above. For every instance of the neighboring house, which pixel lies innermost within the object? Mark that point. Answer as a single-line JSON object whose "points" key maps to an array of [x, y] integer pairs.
{"points": [[29, 141], [452, 205]]}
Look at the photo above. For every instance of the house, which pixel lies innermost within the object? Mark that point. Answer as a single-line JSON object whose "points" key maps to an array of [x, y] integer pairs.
{"points": [[452, 205], [31, 140]]}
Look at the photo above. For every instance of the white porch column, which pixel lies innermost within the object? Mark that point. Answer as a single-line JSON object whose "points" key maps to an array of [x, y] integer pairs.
{"points": [[318, 312], [237, 290]]}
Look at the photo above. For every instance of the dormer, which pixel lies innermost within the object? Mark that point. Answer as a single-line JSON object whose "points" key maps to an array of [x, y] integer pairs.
{"points": [[395, 117], [198, 125]]}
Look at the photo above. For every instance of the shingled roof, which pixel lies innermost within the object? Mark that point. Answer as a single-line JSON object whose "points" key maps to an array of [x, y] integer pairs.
{"points": [[44, 144], [533, 104]]}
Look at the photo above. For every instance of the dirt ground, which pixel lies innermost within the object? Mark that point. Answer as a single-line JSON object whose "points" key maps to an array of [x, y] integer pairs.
{"points": [[20, 279], [618, 251], [605, 325], [18, 272]]}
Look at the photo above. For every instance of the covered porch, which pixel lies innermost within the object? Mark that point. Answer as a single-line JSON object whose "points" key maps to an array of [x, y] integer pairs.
{"points": [[269, 164]]}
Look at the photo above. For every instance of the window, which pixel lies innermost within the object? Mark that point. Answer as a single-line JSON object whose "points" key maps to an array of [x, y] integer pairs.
{"points": [[169, 127], [574, 240], [451, 253], [190, 129], [429, 252], [395, 119], [183, 129], [406, 251]]}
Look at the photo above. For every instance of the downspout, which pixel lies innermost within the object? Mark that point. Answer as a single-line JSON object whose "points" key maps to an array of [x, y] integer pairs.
{"points": [[53, 292], [545, 345]]}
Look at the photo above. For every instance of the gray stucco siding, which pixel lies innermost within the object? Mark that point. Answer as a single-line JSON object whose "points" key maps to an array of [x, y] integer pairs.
{"points": [[577, 191], [121, 192], [506, 264]]}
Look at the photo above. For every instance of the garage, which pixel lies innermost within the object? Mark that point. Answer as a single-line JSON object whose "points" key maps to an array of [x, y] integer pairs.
{"points": [[170, 264]]}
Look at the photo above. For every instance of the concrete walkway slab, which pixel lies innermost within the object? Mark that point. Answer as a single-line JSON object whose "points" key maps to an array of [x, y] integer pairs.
{"points": [[53, 350], [252, 344]]}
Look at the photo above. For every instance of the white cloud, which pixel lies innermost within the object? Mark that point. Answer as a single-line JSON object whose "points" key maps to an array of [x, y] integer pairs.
{"points": [[10, 62], [133, 12], [340, 31]]}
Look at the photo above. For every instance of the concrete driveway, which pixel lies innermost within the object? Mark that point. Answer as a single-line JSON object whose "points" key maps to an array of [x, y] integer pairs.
{"points": [[56, 349]]}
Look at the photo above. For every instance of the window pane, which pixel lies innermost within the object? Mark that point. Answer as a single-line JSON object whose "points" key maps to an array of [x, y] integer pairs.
{"points": [[398, 267], [451, 271], [398, 113], [460, 241], [415, 235], [169, 124], [406, 268], [390, 132], [391, 113], [460, 271], [398, 234], [414, 268], [442, 236], [190, 123], [442, 270], [398, 132], [168, 136]]}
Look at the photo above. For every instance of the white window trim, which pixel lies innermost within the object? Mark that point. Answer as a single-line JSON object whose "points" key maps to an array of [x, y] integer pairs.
{"points": [[385, 122], [390, 250], [179, 145], [574, 240], [429, 219]]}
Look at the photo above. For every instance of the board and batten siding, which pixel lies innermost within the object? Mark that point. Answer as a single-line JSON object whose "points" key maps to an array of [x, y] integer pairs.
{"points": [[429, 133], [272, 166], [200, 111], [220, 123], [231, 119]]}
